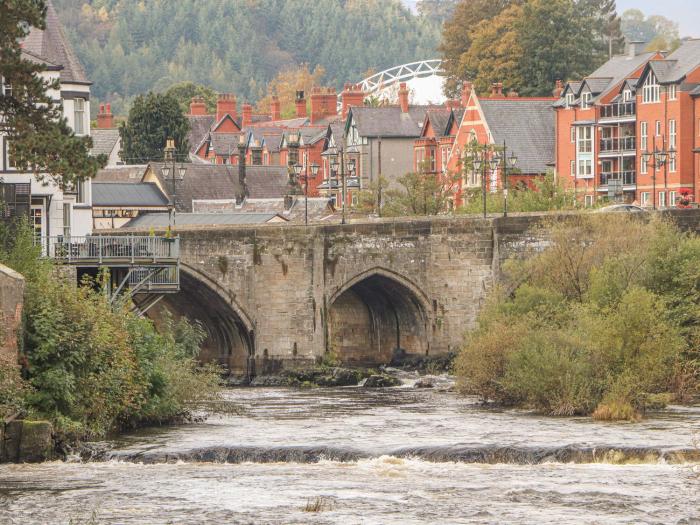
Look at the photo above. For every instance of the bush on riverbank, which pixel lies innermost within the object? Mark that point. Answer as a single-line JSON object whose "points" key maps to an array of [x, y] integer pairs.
{"points": [[604, 318], [92, 368]]}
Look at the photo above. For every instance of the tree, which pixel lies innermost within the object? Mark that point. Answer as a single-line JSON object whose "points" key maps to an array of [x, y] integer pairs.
{"points": [[437, 11], [153, 119], [184, 92], [637, 27], [424, 193], [287, 83], [457, 37], [606, 26], [41, 141]]}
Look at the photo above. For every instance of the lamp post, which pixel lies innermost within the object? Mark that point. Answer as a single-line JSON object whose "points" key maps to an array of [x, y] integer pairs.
{"points": [[314, 172], [656, 160], [513, 161], [171, 171], [339, 159], [477, 165]]}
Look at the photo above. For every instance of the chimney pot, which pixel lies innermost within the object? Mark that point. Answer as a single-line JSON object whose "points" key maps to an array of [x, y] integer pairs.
{"points": [[403, 97], [300, 104], [275, 108], [197, 106], [247, 115], [105, 119], [225, 105]]}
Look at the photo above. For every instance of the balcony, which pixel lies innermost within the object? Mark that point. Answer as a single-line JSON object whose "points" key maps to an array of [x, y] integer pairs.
{"points": [[618, 146], [620, 111], [628, 178], [117, 250]]}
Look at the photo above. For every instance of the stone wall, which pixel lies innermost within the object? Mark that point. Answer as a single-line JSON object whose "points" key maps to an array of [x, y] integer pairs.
{"points": [[11, 302]]}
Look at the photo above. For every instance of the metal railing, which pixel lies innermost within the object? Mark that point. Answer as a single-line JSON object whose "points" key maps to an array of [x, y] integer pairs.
{"points": [[617, 145], [628, 177], [147, 279], [113, 249], [619, 110]]}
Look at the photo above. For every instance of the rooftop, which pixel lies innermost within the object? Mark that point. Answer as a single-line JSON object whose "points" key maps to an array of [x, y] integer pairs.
{"points": [[123, 194]]}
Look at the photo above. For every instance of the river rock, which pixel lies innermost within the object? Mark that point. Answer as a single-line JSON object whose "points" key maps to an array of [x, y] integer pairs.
{"points": [[27, 441], [424, 383], [381, 381]]}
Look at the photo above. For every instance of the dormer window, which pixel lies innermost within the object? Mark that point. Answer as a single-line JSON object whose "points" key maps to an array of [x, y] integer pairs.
{"points": [[650, 90], [570, 99], [627, 95], [672, 92], [586, 98]]}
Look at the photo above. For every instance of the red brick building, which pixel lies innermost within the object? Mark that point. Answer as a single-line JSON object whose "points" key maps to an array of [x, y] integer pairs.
{"points": [[610, 124]]}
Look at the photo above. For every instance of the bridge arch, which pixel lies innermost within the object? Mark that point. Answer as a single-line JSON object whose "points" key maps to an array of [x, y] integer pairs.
{"points": [[230, 335], [375, 315]]}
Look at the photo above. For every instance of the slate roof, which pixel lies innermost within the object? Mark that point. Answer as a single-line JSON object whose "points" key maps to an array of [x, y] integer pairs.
{"points": [[527, 127], [131, 173], [319, 208], [598, 85], [161, 220], [199, 127], [52, 45], [124, 194], [36, 59], [679, 63], [389, 121], [288, 123], [220, 182], [103, 140], [225, 143], [439, 120]]}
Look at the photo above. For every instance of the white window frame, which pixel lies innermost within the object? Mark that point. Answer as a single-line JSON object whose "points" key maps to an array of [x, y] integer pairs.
{"points": [[627, 95], [586, 98], [672, 140], [651, 91], [585, 168], [657, 128], [662, 199], [573, 168], [588, 201], [644, 136], [673, 92], [585, 139], [570, 99], [79, 116], [573, 134], [5, 87], [672, 199]]}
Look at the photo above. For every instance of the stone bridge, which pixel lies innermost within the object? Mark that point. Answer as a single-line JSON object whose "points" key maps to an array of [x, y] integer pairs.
{"points": [[280, 296]]}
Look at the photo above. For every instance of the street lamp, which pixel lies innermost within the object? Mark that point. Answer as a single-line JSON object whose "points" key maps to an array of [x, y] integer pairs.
{"points": [[338, 160], [656, 160], [512, 161], [479, 166], [298, 173], [171, 171]]}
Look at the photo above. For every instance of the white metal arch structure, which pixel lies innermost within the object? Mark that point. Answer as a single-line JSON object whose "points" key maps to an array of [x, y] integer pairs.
{"points": [[384, 79]]}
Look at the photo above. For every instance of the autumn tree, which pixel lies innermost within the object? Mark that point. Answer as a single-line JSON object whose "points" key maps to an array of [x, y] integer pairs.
{"points": [[40, 139], [153, 118], [659, 32], [457, 37], [287, 83]]}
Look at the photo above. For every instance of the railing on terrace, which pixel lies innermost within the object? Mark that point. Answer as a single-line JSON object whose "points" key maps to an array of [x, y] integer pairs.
{"points": [[619, 110], [629, 177], [617, 145], [161, 279], [117, 249]]}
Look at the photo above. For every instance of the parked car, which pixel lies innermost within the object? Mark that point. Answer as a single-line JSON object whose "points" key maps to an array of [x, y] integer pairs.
{"points": [[621, 208]]}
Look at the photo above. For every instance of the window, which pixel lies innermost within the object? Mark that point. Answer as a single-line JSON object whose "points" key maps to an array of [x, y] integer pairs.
{"points": [[433, 167], [573, 135], [662, 199], [672, 92], [266, 159], [5, 88], [645, 198], [585, 139], [420, 159], [588, 201], [570, 99], [66, 220], [257, 157], [443, 159], [627, 95], [650, 89], [672, 199], [672, 145], [657, 128], [644, 134], [586, 100], [585, 168], [81, 192], [79, 116], [573, 168]]}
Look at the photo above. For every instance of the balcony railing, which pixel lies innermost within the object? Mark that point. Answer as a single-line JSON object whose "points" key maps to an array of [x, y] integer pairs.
{"points": [[619, 110], [155, 279], [629, 177], [618, 145], [117, 249]]}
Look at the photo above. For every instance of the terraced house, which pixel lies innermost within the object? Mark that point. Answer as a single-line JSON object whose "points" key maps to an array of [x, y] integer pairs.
{"points": [[630, 131]]}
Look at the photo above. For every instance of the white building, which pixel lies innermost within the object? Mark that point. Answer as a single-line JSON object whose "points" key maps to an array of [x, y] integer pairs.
{"points": [[55, 212]]}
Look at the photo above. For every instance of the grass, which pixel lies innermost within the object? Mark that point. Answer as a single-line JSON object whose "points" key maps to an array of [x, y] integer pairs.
{"points": [[318, 504]]}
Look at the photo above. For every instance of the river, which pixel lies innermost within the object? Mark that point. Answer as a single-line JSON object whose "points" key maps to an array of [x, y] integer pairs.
{"points": [[390, 456]]}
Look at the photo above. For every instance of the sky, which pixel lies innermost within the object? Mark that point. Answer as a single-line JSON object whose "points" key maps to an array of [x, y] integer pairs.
{"points": [[685, 12]]}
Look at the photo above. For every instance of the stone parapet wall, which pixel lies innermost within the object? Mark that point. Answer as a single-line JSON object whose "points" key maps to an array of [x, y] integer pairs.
{"points": [[11, 303]]}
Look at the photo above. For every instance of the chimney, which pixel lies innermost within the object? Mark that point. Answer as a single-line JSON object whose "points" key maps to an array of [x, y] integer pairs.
{"points": [[317, 104], [403, 97], [105, 119], [330, 106], [247, 112], [352, 95], [558, 89], [496, 89], [635, 47], [243, 188], [197, 106], [225, 105], [466, 92], [300, 103], [275, 108]]}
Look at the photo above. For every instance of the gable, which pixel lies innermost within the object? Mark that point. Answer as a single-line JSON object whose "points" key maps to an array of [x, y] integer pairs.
{"points": [[226, 125]]}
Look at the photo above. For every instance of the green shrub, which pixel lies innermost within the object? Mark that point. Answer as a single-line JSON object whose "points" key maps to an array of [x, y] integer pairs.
{"points": [[591, 328]]}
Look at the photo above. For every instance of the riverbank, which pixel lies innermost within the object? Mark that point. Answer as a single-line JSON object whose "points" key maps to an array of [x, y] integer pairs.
{"points": [[396, 455]]}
